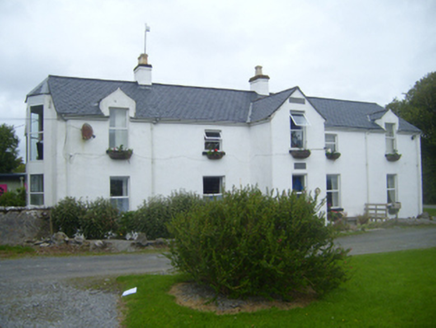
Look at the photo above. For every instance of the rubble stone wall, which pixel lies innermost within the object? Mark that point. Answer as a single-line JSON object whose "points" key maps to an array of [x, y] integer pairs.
{"points": [[18, 224]]}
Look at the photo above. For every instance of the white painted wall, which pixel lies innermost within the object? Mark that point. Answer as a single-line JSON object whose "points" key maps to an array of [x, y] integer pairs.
{"points": [[168, 157]]}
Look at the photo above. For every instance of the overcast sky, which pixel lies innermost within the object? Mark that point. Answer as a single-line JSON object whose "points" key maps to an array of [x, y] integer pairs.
{"points": [[356, 50]]}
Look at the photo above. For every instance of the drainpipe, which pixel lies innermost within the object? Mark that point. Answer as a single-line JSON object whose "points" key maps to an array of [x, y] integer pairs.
{"points": [[152, 158], [367, 166], [418, 172], [67, 160]]}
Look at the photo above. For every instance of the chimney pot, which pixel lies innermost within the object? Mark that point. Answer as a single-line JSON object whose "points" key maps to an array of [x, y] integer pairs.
{"points": [[143, 70], [259, 82]]}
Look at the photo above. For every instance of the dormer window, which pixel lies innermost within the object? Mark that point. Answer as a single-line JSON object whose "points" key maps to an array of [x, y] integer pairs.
{"points": [[118, 135], [298, 122], [212, 140], [391, 144]]}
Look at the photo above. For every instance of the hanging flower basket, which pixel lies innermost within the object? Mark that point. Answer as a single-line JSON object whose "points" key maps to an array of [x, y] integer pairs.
{"points": [[333, 156], [393, 157], [214, 154], [119, 153], [300, 153]]}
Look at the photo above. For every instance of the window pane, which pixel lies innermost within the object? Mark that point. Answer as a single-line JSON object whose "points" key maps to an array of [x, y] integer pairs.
{"points": [[213, 134], [299, 119], [118, 118], [332, 182], [391, 196], [211, 145], [118, 138], [390, 145], [297, 139], [36, 199], [36, 119], [391, 181], [298, 183], [121, 203], [211, 185], [389, 129], [37, 183], [119, 187], [330, 138]]}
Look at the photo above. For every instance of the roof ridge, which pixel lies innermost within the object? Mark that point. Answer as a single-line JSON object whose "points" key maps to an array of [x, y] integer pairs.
{"points": [[160, 84], [345, 100]]}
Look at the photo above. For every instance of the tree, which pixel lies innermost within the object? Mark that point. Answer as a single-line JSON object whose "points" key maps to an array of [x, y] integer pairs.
{"points": [[419, 108], [9, 159]]}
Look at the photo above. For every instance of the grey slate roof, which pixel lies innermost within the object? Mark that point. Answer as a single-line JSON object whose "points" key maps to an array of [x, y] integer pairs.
{"points": [[354, 114], [79, 96], [266, 106]]}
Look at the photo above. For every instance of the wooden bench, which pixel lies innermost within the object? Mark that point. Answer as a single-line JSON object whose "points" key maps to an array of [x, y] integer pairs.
{"points": [[376, 211]]}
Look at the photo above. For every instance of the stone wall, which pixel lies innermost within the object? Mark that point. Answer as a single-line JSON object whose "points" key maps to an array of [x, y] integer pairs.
{"points": [[18, 224]]}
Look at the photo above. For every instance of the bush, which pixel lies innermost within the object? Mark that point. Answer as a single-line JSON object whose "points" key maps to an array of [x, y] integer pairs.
{"points": [[254, 244], [14, 198], [66, 215], [154, 215], [101, 217]]}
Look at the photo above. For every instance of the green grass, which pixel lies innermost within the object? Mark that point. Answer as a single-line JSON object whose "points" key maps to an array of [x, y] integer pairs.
{"points": [[386, 290], [7, 251], [430, 211]]}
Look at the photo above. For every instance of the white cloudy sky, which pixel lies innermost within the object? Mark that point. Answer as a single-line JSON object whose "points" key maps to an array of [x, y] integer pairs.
{"points": [[372, 50]]}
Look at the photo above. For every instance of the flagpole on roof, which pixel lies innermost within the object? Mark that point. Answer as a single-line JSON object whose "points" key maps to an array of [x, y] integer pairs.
{"points": [[147, 29]]}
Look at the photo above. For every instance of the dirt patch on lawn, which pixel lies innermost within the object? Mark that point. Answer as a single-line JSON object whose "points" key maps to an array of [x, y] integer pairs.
{"points": [[201, 298]]}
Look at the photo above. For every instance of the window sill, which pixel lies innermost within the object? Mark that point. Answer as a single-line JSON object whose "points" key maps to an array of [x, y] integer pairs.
{"points": [[300, 153], [214, 155], [120, 155]]}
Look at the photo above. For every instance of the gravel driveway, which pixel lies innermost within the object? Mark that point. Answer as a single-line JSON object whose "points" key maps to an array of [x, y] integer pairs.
{"points": [[38, 292]]}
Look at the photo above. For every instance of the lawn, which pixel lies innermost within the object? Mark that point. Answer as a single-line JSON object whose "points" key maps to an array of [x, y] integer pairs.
{"points": [[430, 211], [395, 289], [7, 251]]}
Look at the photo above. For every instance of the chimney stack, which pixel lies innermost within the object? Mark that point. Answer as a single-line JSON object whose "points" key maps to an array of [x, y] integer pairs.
{"points": [[259, 82], [143, 70]]}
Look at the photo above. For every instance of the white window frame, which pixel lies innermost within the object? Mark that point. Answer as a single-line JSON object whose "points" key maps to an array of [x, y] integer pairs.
{"points": [[391, 140], [298, 131], [214, 195], [212, 136], [332, 191], [36, 190], [390, 188], [124, 198], [36, 133], [331, 146], [304, 176], [118, 129]]}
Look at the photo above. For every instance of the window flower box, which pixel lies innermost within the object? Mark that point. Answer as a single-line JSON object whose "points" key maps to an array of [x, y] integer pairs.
{"points": [[332, 155], [300, 153], [394, 208], [119, 153], [393, 157], [214, 154]]}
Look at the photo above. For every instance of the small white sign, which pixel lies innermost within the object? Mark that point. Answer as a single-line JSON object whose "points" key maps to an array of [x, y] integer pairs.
{"points": [[129, 291]]}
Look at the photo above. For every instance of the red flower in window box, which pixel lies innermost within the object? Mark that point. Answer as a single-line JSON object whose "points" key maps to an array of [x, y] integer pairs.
{"points": [[214, 154]]}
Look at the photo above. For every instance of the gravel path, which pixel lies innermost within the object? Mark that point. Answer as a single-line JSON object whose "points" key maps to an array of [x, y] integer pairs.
{"points": [[38, 292], [56, 304]]}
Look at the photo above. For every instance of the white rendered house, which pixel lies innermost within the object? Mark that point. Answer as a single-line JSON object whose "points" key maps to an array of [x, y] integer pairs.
{"points": [[207, 140]]}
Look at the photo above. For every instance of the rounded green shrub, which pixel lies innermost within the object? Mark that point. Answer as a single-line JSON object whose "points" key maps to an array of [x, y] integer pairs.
{"points": [[249, 243], [155, 214], [66, 215], [101, 217]]}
